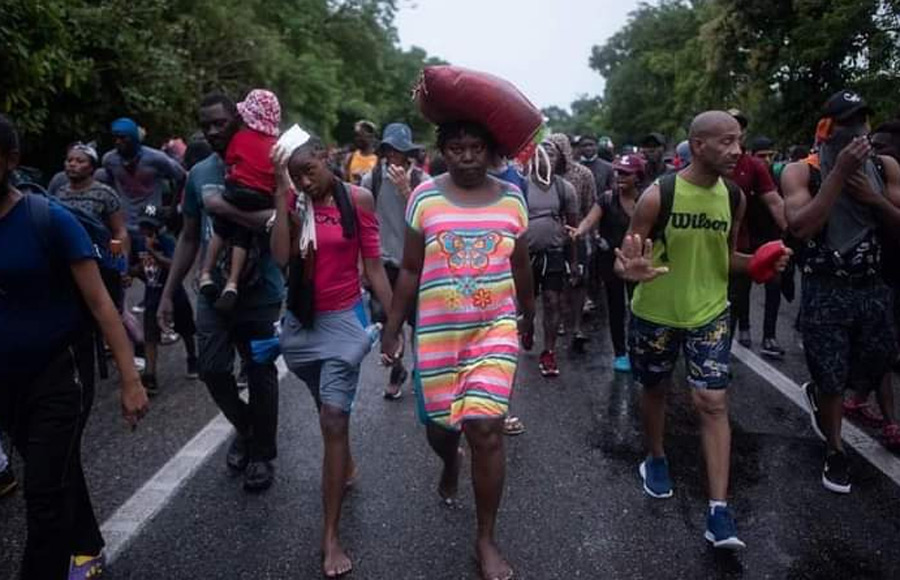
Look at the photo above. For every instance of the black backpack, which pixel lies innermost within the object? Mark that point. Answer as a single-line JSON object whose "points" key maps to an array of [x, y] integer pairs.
{"points": [[667, 200], [39, 207]]}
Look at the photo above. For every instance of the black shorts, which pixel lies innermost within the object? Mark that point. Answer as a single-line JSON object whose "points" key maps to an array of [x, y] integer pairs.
{"points": [[848, 332], [549, 270]]}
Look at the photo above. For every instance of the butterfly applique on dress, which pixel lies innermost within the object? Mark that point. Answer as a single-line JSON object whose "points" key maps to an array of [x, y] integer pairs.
{"points": [[468, 255], [469, 250]]}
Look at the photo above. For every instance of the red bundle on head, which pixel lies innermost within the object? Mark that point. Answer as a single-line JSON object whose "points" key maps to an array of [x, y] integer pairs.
{"points": [[450, 93]]}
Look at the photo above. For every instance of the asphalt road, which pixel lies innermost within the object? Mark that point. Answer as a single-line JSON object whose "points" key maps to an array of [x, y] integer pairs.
{"points": [[573, 506]]}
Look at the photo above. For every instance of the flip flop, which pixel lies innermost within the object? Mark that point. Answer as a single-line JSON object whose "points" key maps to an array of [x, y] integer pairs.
{"points": [[400, 382], [513, 426]]}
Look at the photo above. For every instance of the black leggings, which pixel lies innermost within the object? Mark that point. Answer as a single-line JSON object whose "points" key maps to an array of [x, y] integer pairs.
{"points": [[46, 419], [616, 291], [739, 291]]}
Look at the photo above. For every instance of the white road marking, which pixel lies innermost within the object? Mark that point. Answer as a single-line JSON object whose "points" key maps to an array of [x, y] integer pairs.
{"points": [[859, 440], [128, 521]]}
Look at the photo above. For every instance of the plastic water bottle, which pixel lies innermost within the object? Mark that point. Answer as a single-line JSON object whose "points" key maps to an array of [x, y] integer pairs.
{"points": [[374, 332]]}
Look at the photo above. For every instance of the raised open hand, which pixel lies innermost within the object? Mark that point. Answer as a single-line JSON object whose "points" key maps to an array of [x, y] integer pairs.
{"points": [[636, 260]]}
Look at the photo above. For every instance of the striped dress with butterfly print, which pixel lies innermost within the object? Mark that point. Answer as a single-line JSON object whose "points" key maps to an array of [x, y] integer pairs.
{"points": [[466, 334]]}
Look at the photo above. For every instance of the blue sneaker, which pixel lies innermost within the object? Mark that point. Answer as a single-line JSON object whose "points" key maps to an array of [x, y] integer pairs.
{"points": [[622, 364], [655, 473], [721, 530]]}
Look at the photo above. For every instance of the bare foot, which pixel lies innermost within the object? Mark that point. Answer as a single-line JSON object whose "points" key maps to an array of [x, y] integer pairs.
{"points": [[492, 563], [335, 561], [449, 484]]}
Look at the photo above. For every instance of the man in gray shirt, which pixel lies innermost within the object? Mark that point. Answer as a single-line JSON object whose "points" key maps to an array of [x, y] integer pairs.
{"points": [[391, 183]]}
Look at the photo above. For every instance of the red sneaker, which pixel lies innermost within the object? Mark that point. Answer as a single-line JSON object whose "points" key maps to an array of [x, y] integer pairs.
{"points": [[890, 435], [862, 412], [547, 364]]}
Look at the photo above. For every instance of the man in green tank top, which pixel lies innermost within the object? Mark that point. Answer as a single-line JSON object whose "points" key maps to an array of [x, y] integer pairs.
{"points": [[681, 304]]}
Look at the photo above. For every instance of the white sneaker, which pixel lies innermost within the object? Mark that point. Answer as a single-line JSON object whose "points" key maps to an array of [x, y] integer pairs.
{"points": [[140, 364]]}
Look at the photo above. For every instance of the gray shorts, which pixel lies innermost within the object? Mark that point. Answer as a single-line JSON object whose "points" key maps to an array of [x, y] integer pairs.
{"points": [[331, 382], [327, 356]]}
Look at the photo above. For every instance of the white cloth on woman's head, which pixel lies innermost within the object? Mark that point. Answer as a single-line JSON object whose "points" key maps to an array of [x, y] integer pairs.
{"points": [[289, 142]]}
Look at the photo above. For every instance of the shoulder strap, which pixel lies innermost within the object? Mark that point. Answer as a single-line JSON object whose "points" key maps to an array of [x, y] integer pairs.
{"points": [[415, 178], [344, 198], [879, 167], [666, 201], [734, 197], [560, 188], [376, 179]]}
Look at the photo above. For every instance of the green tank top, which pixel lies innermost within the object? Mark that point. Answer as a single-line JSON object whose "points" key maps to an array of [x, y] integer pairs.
{"points": [[695, 291]]}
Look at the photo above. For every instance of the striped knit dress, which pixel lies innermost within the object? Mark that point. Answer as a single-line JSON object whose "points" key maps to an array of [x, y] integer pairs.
{"points": [[466, 334]]}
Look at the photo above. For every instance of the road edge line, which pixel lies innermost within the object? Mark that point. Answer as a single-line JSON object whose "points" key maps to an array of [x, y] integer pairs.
{"points": [[124, 525], [859, 440]]}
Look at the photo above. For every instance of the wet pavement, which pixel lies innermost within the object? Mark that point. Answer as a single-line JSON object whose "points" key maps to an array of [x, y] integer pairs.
{"points": [[573, 505]]}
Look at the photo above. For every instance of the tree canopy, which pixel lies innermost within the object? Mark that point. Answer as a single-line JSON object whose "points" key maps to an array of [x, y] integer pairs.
{"points": [[69, 67], [776, 60]]}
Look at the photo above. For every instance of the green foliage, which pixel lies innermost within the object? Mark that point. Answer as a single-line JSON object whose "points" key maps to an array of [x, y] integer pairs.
{"points": [[775, 60], [586, 117], [69, 67]]}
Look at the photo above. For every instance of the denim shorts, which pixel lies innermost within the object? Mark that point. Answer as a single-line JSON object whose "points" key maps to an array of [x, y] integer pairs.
{"points": [[707, 352], [848, 332]]}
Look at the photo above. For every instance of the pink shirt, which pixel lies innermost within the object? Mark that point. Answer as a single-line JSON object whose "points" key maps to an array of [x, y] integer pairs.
{"points": [[336, 279]]}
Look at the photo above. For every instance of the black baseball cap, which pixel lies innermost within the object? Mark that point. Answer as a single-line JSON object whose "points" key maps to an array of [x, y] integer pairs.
{"points": [[844, 104], [150, 217], [740, 117], [653, 139], [761, 144]]}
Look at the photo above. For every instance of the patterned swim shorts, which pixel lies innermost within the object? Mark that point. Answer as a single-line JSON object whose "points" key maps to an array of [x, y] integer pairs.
{"points": [[707, 352]]}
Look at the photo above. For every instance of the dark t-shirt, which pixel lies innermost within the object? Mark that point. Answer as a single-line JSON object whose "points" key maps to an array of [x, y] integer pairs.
{"points": [[100, 200], [614, 222], [604, 174], [142, 181], [40, 310], [754, 179]]}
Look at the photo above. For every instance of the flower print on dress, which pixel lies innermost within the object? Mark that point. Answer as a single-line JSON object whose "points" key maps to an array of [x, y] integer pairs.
{"points": [[482, 299]]}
